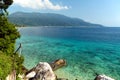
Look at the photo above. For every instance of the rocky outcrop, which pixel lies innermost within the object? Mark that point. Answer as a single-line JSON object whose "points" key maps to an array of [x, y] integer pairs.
{"points": [[103, 77], [42, 71], [11, 76]]}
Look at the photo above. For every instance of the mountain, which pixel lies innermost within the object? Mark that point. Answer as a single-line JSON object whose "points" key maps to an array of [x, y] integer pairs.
{"points": [[47, 19]]}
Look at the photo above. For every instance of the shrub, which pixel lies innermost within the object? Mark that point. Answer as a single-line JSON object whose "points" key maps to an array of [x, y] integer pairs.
{"points": [[5, 65]]}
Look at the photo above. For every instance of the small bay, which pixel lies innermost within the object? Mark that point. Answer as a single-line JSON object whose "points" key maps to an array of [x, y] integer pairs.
{"points": [[87, 50]]}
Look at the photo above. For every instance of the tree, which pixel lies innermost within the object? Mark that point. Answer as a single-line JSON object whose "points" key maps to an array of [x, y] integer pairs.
{"points": [[8, 34], [4, 4]]}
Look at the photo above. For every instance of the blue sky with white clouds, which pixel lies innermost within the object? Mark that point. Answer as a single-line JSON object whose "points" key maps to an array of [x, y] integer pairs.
{"points": [[105, 12]]}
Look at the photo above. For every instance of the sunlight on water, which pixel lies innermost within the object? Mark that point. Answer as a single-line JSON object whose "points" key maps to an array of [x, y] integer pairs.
{"points": [[84, 58]]}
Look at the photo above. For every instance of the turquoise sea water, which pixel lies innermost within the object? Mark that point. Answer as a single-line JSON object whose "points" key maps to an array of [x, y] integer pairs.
{"points": [[86, 50]]}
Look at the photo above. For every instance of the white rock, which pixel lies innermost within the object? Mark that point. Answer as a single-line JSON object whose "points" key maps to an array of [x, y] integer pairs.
{"points": [[103, 77], [31, 74], [42, 71]]}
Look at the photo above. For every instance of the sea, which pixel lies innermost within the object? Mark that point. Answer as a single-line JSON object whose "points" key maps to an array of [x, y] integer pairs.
{"points": [[87, 51]]}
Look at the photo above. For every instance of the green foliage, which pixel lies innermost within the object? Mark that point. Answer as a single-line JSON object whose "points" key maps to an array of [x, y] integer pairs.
{"points": [[8, 59], [8, 2], [4, 4], [18, 62], [5, 65], [8, 35]]}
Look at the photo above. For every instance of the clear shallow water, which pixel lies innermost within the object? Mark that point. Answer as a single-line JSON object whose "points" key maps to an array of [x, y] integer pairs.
{"points": [[86, 50]]}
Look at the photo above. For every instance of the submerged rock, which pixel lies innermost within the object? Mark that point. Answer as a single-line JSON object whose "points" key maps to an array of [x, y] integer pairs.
{"points": [[103, 77], [42, 71]]}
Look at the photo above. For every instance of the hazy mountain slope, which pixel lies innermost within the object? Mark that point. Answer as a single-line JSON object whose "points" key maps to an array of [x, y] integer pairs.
{"points": [[47, 19]]}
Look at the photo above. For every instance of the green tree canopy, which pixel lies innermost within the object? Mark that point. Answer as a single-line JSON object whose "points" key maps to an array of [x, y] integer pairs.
{"points": [[8, 34], [4, 4]]}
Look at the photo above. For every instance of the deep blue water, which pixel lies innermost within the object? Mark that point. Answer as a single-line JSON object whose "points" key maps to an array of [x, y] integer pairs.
{"points": [[86, 50], [85, 34]]}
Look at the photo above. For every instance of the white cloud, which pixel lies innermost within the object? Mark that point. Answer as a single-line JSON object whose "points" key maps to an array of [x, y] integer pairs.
{"points": [[39, 4]]}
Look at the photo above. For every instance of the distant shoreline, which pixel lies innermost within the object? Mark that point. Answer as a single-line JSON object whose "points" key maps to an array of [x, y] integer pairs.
{"points": [[62, 26]]}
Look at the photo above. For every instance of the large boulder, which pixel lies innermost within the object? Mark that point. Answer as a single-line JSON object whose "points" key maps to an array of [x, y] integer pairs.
{"points": [[103, 77], [42, 71]]}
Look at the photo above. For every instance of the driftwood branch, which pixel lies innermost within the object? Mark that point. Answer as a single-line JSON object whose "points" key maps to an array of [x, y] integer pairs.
{"points": [[57, 64], [18, 48]]}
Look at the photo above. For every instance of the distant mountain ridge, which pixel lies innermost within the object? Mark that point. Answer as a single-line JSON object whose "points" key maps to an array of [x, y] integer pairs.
{"points": [[47, 19]]}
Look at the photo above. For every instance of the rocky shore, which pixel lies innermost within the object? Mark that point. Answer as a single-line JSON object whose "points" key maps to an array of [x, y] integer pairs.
{"points": [[45, 71]]}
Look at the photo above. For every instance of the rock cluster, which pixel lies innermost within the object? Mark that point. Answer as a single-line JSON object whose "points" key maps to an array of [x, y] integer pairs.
{"points": [[42, 71]]}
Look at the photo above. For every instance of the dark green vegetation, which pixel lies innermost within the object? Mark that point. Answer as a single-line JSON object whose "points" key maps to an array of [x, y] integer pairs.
{"points": [[8, 35], [9, 60], [4, 4], [47, 19], [5, 65]]}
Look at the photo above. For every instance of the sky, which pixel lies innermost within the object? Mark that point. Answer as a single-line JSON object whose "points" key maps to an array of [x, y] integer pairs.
{"points": [[105, 12]]}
